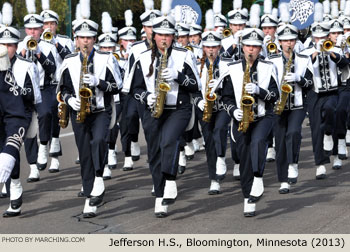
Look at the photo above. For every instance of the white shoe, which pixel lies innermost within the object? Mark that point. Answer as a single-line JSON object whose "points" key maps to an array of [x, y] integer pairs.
{"points": [[220, 168], [196, 147], [236, 172], [3, 191], [135, 151], [249, 208], [337, 163], [327, 143], [342, 150], [170, 192], [214, 188], [77, 161], [54, 166], [107, 173], [153, 192], [347, 138], [112, 159], [55, 147], [11, 212], [34, 174], [293, 173], [89, 211], [284, 189], [16, 189], [271, 154], [128, 164], [42, 157], [189, 151], [98, 187], [160, 210], [321, 172], [182, 162], [257, 189]]}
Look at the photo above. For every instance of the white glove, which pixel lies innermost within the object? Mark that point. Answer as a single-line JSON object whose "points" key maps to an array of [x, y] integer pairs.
{"points": [[292, 77], [7, 162], [91, 80], [170, 74], [236, 36], [267, 38], [340, 40], [252, 88], [37, 50], [238, 114], [319, 45], [201, 104], [151, 99], [128, 48], [74, 103], [212, 83]]}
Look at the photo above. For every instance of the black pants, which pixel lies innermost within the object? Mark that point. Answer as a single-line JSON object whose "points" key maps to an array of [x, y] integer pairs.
{"points": [[342, 113], [113, 133], [163, 137], [194, 133], [234, 152], [215, 137], [91, 139], [252, 148], [288, 140]]}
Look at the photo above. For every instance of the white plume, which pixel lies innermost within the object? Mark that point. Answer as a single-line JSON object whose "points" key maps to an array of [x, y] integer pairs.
{"points": [[209, 20], [7, 14], [326, 7], [149, 4], [335, 10], [128, 17], [318, 14], [245, 10], [217, 5], [254, 20], [342, 5], [85, 9], [267, 6], [178, 14], [30, 4], [284, 12], [237, 4], [45, 4], [106, 23], [78, 12], [347, 9], [166, 7], [275, 13]]}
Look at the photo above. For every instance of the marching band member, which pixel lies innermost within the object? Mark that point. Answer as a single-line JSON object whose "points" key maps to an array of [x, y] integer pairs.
{"points": [[89, 73], [220, 20], [250, 78], [163, 128], [195, 35], [294, 76], [143, 34]]}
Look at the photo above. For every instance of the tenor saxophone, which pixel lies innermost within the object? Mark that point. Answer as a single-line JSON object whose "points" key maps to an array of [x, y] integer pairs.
{"points": [[247, 102], [285, 87], [85, 93], [63, 113], [162, 87], [209, 98]]}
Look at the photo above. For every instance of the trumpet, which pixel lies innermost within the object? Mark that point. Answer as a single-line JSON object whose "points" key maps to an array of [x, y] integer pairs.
{"points": [[271, 47], [32, 44], [226, 33], [47, 36], [327, 45]]}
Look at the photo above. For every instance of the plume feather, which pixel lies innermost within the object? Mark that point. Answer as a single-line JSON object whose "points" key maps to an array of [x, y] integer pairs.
{"points": [[45, 4], [237, 4], [85, 9], [128, 17], [149, 4], [209, 19], [254, 20], [335, 10], [326, 7], [284, 12], [217, 5], [267, 6], [275, 13], [7, 14], [166, 7], [106, 23], [347, 9], [178, 14], [318, 15], [342, 5], [30, 4]]}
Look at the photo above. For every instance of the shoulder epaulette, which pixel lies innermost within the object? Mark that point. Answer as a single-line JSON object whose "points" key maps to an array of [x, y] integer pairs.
{"points": [[24, 59], [105, 53], [71, 55], [264, 61], [274, 56], [235, 62], [63, 36], [180, 49], [302, 55], [226, 59], [138, 42]]}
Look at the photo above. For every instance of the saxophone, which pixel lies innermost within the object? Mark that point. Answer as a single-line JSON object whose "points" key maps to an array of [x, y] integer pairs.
{"points": [[285, 87], [247, 102], [209, 98], [162, 87], [85, 93], [63, 113]]}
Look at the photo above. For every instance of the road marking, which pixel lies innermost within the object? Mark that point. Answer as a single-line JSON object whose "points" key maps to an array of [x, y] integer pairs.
{"points": [[67, 134]]}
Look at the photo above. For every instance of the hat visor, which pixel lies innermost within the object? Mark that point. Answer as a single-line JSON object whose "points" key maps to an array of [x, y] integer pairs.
{"points": [[147, 23], [220, 24], [336, 30], [235, 21], [50, 20], [211, 43], [268, 25], [195, 33], [8, 41], [128, 37], [181, 33], [252, 42], [85, 34], [164, 30], [287, 37], [33, 25], [107, 44], [320, 34]]}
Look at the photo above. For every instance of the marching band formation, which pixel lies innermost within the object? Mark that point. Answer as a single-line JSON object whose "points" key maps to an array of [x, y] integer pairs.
{"points": [[254, 82]]}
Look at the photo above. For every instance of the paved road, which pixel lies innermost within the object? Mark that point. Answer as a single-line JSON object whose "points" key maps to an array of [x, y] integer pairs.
{"points": [[52, 205]]}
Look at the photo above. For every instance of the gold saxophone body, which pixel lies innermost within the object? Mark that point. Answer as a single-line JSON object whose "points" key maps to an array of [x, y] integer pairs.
{"points": [[63, 113], [162, 87], [285, 87], [247, 102], [209, 98], [85, 93]]}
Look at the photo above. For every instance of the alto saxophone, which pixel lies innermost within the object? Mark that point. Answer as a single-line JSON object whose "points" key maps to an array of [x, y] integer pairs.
{"points": [[285, 87], [162, 87], [209, 98], [247, 102], [63, 113], [85, 93]]}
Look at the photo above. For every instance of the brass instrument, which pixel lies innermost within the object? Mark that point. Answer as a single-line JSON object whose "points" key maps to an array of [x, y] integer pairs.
{"points": [[47, 36], [346, 43], [327, 45], [285, 87], [32, 44], [271, 47], [116, 56], [162, 88], [209, 98], [226, 33], [63, 113], [247, 102], [85, 93], [190, 48]]}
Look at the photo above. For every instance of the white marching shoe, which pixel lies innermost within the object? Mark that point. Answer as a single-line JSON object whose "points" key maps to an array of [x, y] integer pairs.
{"points": [[284, 189], [107, 173], [16, 191], [271, 154], [135, 151], [98, 191], [197, 145], [55, 147], [54, 166], [170, 192], [321, 172], [81, 192], [34, 174], [347, 138], [257, 190], [327, 143], [214, 188], [221, 168], [342, 149], [153, 192], [128, 164], [3, 193], [249, 208], [42, 157], [77, 161], [189, 151], [160, 210], [293, 173], [89, 211], [112, 159], [337, 163], [236, 172], [182, 162]]}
